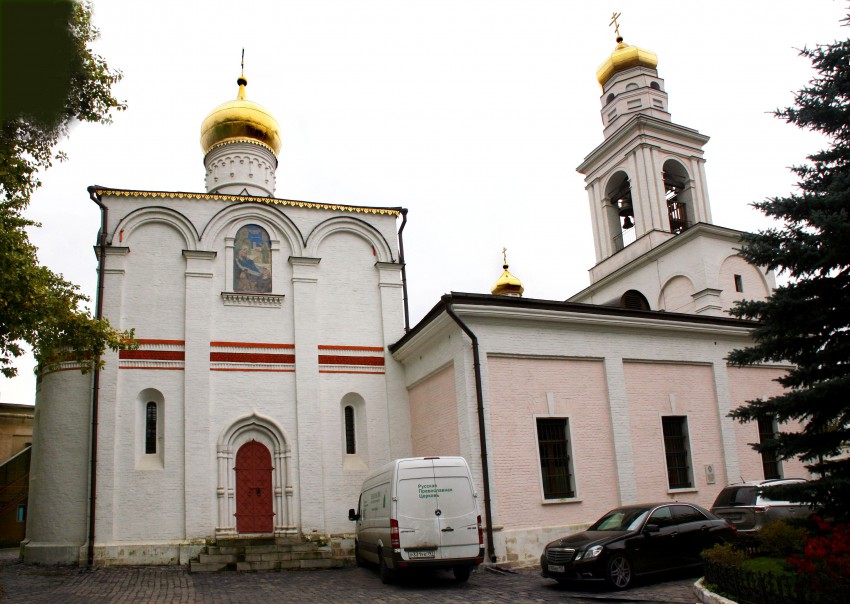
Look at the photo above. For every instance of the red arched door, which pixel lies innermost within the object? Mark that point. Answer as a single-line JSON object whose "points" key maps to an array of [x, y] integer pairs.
{"points": [[254, 512]]}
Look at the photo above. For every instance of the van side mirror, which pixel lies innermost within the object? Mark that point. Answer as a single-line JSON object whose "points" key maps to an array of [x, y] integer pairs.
{"points": [[352, 515]]}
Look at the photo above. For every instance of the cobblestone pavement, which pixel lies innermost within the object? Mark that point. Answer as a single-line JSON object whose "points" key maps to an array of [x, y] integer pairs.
{"points": [[142, 585]]}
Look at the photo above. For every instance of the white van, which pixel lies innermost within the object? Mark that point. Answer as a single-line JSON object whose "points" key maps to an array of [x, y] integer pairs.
{"points": [[419, 512]]}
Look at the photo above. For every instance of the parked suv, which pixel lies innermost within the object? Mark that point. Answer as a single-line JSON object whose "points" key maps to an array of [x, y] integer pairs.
{"points": [[747, 505]]}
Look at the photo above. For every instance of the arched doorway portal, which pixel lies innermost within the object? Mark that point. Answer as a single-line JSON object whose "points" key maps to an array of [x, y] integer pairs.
{"points": [[254, 509], [254, 453]]}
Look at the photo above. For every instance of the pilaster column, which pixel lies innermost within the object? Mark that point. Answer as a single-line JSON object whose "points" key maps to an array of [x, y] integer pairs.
{"points": [[392, 326], [727, 424], [308, 450], [115, 264], [199, 473], [621, 427]]}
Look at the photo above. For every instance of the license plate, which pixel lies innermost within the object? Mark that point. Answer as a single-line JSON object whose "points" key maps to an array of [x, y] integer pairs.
{"points": [[422, 553], [556, 568]]}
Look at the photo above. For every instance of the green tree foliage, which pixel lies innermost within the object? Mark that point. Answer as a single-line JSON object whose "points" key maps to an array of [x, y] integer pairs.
{"points": [[50, 79], [807, 322]]}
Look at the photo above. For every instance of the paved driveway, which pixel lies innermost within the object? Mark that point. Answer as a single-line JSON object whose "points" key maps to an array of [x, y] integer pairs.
{"points": [[51, 585]]}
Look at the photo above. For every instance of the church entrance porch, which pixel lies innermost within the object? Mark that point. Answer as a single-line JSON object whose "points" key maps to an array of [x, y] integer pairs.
{"points": [[254, 489]]}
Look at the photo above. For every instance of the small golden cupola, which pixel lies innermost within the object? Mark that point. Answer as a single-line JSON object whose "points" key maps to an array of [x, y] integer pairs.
{"points": [[624, 57], [507, 285], [240, 140]]}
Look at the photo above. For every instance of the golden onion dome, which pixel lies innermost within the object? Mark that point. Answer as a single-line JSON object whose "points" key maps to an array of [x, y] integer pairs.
{"points": [[507, 285], [240, 120], [625, 57]]}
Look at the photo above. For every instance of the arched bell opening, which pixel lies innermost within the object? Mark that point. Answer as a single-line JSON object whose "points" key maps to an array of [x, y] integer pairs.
{"points": [[620, 210], [678, 194]]}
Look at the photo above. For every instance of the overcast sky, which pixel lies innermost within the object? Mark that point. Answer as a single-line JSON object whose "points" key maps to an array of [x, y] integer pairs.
{"points": [[471, 114]]}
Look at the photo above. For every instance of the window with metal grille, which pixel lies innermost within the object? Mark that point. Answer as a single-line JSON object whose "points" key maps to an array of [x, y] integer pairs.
{"points": [[350, 440], [769, 463], [555, 467], [150, 428], [675, 430]]}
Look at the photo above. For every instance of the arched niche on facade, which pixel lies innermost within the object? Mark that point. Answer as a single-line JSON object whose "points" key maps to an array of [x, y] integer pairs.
{"points": [[739, 280], [346, 224], [123, 232], [677, 295], [678, 192], [619, 210], [275, 238]]}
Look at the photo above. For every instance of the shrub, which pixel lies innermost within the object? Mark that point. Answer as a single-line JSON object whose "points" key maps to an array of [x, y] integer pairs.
{"points": [[826, 554], [725, 554], [779, 539]]}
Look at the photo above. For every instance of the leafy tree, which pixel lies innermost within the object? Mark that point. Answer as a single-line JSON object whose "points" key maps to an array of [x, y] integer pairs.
{"points": [[40, 98], [807, 321]]}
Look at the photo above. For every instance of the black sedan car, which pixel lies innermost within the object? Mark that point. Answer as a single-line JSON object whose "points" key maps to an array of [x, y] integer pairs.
{"points": [[635, 540]]}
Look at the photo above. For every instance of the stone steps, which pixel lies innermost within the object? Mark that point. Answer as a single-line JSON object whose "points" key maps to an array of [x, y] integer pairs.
{"points": [[263, 554]]}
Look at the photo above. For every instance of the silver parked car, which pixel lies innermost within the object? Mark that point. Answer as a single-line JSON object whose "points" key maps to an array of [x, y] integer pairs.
{"points": [[748, 507]]}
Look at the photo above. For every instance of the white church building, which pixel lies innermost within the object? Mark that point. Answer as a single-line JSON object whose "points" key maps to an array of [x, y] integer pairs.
{"points": [[274, 367]]}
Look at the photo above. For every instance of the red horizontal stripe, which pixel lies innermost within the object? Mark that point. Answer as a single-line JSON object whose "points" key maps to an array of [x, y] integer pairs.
{"points": [[252, 345], [369, 348], [153, 355], [332, 359], [177, 342], [349, 372], [251, 357], [252, 369], [153, 368]]}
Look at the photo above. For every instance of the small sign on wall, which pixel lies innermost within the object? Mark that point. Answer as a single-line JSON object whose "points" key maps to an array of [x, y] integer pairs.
{"points": [[709, 473]]}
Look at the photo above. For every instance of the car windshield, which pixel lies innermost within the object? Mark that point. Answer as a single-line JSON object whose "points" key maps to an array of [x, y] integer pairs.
{"points": [[622, 519], [732, 496]]}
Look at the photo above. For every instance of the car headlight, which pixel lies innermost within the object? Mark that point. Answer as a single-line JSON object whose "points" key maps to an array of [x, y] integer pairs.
{"points": [[591, 553]]}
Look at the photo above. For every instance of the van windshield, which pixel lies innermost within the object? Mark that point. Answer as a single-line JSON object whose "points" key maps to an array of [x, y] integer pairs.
{"points": [[452, 495]]}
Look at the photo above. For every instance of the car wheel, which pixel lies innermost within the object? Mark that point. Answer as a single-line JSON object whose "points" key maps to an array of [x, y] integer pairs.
{"points": [[462, 573], [619, 573], [384, 571]]}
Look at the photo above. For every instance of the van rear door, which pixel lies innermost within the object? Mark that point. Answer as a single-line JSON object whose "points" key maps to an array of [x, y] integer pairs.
{"points": [[458, 520], [436, 510]]}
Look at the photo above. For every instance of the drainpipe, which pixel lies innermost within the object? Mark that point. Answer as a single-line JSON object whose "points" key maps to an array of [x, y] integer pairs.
{"points": [[403, 270], [101, 265], [482, 434]]}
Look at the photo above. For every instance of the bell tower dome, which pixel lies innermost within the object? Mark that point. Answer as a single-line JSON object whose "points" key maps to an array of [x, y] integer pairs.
{"points": [[240, 140]]}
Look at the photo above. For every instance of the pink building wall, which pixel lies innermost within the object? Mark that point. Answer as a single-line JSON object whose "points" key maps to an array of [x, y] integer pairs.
{"points": [[658, 389], [433, 415], [748, 383], [517, 393]]}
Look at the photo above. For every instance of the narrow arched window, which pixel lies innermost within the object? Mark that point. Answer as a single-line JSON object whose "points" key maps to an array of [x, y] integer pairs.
{"points": [[350, 436], [150, 429]]}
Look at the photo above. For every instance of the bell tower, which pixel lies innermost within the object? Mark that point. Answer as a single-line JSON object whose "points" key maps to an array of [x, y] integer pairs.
{"points": [[648, 198]]}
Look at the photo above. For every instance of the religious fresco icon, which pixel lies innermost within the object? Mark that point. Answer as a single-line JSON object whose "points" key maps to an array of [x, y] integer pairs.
{"points": [[252, 260]]}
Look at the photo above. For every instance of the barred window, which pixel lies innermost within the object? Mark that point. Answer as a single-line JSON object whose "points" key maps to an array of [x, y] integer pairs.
{"points": [[150, 428], [350, 436], [769, 463], [675, 430], [555, 465]]}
